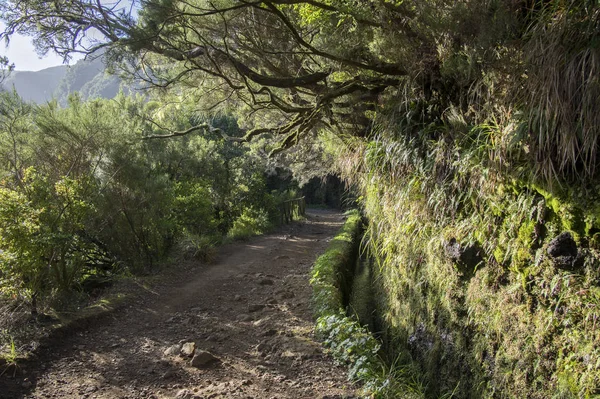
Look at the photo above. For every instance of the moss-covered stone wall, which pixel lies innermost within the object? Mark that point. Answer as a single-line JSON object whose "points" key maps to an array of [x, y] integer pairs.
{"points": [[488, 284]]}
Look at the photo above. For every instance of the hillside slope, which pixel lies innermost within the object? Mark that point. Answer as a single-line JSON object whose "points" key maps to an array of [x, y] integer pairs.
{"points": [[88, 77], [37, 86]]}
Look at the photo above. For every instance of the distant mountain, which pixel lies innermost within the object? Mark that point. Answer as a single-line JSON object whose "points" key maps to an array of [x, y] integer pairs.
{"points": [[89, 78], [38, 86]]}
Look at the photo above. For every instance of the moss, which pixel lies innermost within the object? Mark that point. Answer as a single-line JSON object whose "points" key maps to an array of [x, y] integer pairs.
{"points": [[499, 254], [595, 241], [347, 340], [498, 331], [568, 207], [526, 233], [518, 327], [331, 274], [592, 218]]}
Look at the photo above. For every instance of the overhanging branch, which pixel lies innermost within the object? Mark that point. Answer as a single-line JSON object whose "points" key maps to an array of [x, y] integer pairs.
{"points": [[204, 126]]}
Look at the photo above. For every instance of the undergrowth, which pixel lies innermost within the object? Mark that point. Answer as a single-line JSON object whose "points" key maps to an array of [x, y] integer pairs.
{"points": [[465, 283], [348, 341], [250, 223]]}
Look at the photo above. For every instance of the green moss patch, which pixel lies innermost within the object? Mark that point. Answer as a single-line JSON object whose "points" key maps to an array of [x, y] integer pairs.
{"points": [[348, 341], [522, 322]]}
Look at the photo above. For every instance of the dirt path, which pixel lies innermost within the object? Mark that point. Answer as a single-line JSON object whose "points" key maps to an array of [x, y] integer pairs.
{"points": [[250, 309]]}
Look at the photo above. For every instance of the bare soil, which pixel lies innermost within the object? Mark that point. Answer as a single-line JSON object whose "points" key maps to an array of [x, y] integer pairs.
{"points": [[250, 309]]}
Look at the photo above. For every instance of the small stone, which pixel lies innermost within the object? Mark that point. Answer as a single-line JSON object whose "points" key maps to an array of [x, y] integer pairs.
{"points": [[255, 308], [260, 322], [91, 389], [237, 298], [184, 394], [172, 350], [270, 333], [168, 374], [188, 349], [265, 281], [263, 347], [27, 384], [203, 359]]}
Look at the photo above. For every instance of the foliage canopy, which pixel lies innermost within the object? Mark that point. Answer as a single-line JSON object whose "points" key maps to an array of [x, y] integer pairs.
{"points": [[299, 66]]}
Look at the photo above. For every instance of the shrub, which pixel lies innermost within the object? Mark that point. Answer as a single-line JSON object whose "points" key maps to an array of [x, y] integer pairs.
{"points": [[192, 208], [40, 224], [192, 246], [251, 222]]}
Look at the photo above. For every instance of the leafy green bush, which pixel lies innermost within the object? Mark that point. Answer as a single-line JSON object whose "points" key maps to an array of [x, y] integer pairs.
{"points": [[19, 224], [351, 344], [42, 251], [135, 209], [252, 222], [193, 208]]}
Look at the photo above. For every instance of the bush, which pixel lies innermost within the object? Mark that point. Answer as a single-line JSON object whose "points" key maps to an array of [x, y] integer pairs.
{"points": [[201, 248], [193, 209], [250, 223], [83, 197], [43, 250]]}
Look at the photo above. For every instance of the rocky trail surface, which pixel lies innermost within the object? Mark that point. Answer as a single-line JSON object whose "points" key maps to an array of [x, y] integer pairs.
{"points": [[240, 327]]}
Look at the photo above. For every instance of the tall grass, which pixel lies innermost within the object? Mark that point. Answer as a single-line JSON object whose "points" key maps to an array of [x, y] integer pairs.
{"points": [[563, 88]]}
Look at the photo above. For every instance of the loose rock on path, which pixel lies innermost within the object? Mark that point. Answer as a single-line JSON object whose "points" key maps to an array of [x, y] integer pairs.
{"points": [[238, 328]]}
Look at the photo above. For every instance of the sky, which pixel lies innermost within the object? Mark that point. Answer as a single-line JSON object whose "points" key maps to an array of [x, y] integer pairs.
{"points": [[22, 53]]}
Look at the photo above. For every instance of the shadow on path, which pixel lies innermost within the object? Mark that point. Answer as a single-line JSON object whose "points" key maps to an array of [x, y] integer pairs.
{"points": [[251, 309]]}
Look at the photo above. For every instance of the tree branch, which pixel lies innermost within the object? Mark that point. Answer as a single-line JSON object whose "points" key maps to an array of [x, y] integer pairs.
{"points": [[331, 8], [204, 126], [388, 69]]}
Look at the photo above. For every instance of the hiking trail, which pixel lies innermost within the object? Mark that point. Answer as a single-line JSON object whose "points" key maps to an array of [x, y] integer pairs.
{"points": [[243, 321]]}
